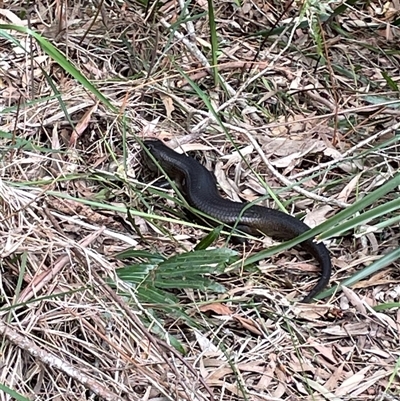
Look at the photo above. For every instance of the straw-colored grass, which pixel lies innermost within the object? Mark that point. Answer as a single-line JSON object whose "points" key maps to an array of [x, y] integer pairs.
{"points": [[107, 289]]}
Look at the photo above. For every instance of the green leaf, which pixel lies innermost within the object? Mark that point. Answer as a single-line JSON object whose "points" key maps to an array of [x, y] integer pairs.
{"points": [[133, 253], [155, 296], [214, 41], [386, 306], [210, 238], [135, 274], [380, 264], [343, 7], [57, 56], [380, 100], [392, 84], [337, 220], [363, 218], [181, 271], [195, 283], [209, 258], [16, 396], [21, 143]]}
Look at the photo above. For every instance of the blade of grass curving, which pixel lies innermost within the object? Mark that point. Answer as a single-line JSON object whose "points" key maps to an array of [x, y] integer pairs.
{"points": [[164, 335], [15, 396], [368, 271], [30, 103], [335, 220], [160, 300], [22, 143], [21, 275], [204, 97], [342, 8], [57, 56], [58, 295], [383, 101], [391, 382], [391, 222], [386, 306], [214, 41], [391, 83], [59, 97], [210, 238], [164, 301], [363, 218]]}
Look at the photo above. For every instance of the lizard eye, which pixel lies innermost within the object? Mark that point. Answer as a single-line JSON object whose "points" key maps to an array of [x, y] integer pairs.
{"points": [[149, 146]]}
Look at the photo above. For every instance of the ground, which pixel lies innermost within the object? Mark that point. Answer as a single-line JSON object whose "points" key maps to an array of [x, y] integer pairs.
{"points": [[107, 290]]}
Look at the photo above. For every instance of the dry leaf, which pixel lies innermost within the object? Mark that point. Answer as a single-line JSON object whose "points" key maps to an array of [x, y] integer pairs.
{"points": [[217, 308], [352, 382], [169, 105], [349, 188], [81, 125], [248, 324], [317, 216]]}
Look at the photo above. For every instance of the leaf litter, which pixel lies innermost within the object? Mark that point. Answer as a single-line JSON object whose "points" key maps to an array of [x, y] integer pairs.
{"points": [[319, 96]]}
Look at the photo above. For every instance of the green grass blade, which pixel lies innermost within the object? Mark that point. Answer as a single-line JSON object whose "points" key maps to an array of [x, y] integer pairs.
{"points": [[380, 264], [57, 56], [214, 41]]}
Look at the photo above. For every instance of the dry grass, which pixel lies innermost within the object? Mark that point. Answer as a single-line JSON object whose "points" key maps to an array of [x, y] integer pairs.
{"points": [[314, 110]]}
